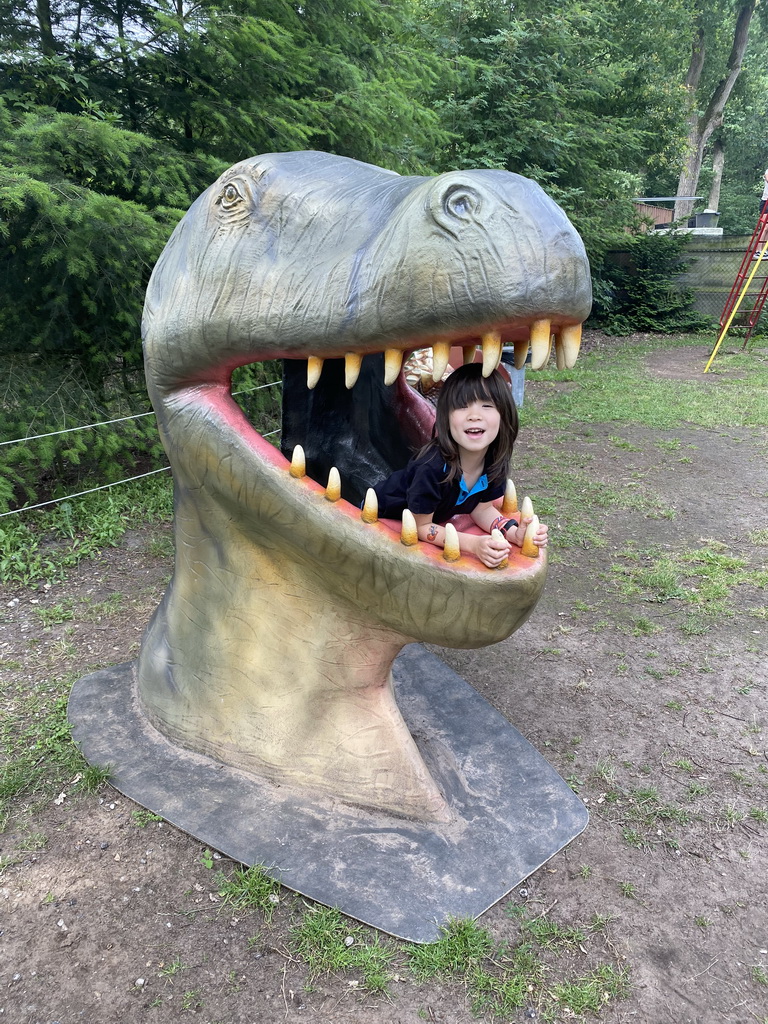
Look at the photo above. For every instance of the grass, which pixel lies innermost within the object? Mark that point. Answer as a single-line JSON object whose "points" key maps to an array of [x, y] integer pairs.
{"points": [[41, 759], [614, 387], [42, 546], [702, 579], [250, 888]]}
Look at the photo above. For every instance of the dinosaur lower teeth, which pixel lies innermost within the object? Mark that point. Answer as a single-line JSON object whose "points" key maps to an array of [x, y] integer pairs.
{"points": [[451, 549], [370, 512], [409, 535], [333, 490], [498, 535], [491, 352], [298, 463], [529, 549], [509, 505]]}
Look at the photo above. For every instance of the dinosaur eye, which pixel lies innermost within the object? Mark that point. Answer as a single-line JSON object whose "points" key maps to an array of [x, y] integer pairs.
{"points": [[230, 196]]}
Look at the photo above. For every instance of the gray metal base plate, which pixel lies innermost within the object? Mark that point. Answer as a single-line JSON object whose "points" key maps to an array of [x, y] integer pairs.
{"points": [[513, 810]]}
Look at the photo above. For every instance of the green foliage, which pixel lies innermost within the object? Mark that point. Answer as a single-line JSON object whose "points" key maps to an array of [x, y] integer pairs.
{"points": [[42, 546], [85, 210], [578, 97], [642, 293]]}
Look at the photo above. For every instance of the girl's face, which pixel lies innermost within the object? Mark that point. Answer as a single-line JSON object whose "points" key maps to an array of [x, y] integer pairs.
{"points": [[475, 426]]}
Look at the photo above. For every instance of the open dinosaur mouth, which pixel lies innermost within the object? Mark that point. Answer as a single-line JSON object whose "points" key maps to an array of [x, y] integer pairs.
{"points": [[350, 426]]}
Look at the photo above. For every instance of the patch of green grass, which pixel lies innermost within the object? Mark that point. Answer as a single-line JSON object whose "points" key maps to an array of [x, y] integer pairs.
{"points": [[191, 1000], [672, 445], [57, 613], [329, 945], [759, 814], [703, 579], [594, 991], [173, 968], [160, 545], [143, 817], [644, 627], [250, 888], [40, 757], [80, 528], [615, 387], [621, 442]]}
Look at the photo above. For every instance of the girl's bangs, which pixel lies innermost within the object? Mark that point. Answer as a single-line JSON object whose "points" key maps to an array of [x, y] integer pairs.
{"points": [[468, 389]]}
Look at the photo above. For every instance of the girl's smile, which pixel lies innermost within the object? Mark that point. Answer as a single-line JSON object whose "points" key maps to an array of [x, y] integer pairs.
{"points": [[475, 426]]}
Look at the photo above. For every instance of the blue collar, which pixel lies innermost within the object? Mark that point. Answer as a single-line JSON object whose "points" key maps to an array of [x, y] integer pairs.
{"points": [[481, 485]]}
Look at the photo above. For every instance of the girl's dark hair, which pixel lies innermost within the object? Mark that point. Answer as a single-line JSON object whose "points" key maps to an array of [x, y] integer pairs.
{"points": [[463, 386]]}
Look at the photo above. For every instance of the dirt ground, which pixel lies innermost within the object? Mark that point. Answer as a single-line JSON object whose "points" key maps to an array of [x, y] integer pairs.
{"points": [[644, 718]]}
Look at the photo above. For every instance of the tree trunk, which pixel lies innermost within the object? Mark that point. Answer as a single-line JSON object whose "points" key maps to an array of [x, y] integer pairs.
{"points": [[718, 162], [701, 128], [47, 41]]}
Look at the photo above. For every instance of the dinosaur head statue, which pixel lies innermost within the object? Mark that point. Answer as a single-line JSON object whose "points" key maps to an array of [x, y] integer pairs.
{"points": [[272, 647]]}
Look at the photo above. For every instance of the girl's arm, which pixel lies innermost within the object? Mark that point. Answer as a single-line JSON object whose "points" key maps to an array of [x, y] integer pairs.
{"points": [[486, 515], [491, 551]]}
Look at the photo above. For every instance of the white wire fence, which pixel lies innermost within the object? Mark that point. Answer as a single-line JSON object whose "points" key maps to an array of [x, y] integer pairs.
{"points": [[106, 423]]}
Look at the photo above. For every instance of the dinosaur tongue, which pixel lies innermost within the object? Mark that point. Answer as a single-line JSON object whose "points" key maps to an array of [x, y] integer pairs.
{"points": [[365, 432]]}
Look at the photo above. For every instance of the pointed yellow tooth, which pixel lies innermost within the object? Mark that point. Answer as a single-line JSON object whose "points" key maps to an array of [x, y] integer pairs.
{"points": [[298, 463], [541, 341], [498, 535], [333, 490], [468, 353], [451, 549], [526, 509], [559, 352], [491, 352], [314, 369], [441, 353], [409, 535], [521, 352], [509, 505], [529, 549], [570, 338], [370, 513], [393, 360], [352, 363]]}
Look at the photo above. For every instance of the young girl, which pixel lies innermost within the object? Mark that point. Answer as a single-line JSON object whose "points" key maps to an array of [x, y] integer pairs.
{"points": [[464, 468]]}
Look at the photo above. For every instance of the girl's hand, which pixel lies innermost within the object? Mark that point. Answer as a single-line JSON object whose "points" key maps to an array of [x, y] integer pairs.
{"points": [[540, 538], [491, 550]]}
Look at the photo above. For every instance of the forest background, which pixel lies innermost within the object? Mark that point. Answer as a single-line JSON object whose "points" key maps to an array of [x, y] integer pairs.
{"points": [[114, 116]]}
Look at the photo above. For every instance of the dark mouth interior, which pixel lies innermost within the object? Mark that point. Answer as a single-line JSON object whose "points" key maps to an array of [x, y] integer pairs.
{"points": [[366, 432]]}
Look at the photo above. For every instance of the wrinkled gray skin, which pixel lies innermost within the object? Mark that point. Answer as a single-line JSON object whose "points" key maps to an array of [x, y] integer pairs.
{"points": [[271, 650]]}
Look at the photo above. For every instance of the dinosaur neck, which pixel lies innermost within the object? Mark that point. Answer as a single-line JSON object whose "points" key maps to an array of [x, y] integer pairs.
{"points": [[212, 673]]}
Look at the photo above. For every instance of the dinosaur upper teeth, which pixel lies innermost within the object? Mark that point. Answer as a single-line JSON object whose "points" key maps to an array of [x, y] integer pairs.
{"points": [[352, 363], [491, 352], [567, 340]]}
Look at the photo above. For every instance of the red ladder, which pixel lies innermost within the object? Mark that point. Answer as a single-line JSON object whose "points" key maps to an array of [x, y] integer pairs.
{"points": [[748, 315], [751, 270]]}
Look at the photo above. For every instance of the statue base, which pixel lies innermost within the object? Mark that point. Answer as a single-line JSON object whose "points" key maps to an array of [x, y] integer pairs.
{"points": [[512, 810]]}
